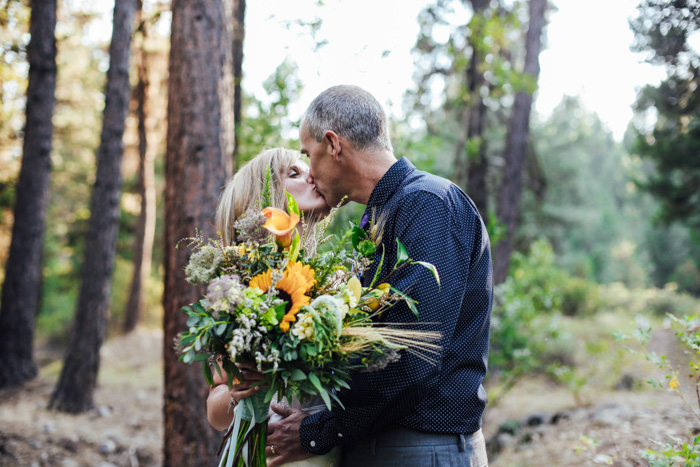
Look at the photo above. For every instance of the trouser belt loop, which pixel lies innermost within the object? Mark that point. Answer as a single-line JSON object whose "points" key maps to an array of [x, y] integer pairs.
{"points": [[462, 443], [374, 445]]}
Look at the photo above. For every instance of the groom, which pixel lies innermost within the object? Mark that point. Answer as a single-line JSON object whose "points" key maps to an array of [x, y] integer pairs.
{"points": [[412, 411]]}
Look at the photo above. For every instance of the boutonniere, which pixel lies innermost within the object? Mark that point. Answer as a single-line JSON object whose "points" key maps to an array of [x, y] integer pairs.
{"points": [[367, 236]]}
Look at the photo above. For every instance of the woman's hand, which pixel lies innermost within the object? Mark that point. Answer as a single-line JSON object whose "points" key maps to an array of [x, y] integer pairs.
{"points": [[251, 375], [220, 399]]}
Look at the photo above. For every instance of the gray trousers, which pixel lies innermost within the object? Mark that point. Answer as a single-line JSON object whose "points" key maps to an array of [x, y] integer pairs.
{"points": [[402, 447]]}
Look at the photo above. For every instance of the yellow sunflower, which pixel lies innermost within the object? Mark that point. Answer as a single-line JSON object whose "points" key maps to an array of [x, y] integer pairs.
{"points": [[306, 271], [295, 282]]}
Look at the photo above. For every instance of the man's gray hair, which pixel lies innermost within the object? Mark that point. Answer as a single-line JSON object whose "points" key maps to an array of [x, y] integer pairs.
{"points": [[351, 112]]}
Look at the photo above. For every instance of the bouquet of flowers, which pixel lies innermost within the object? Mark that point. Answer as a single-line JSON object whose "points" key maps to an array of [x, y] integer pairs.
{"points": [[304, 321]]}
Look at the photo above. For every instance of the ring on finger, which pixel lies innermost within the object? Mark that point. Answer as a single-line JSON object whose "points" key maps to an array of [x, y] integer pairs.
{"points": [[272, 448]]}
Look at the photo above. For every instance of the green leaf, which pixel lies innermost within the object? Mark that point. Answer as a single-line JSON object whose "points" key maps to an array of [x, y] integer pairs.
{"points": [[232, 371], [271, 392], [294, 247], [220, 329], [292, 206], [409, 301], [298, 375], [326, 399], [199, 308], [198, 344], [206, 369], [187, 309], [401, 253], [315, 381], [192, 320], [358, 235], [188, 357], [201, 357], [379, 269], [432, 269], [367, 248]]}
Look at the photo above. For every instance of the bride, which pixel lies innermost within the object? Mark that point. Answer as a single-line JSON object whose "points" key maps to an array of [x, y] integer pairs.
{"points": [[242, 192]]}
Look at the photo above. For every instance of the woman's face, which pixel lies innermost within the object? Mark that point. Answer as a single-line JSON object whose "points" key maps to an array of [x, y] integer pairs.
{"points": [[297, 182]]}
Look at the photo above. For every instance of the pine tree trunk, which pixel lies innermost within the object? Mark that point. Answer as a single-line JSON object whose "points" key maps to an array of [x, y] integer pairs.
{"points": [[470, 164], [143, 241], [75, 388], [23, 271], [238, 39], [198, 161], [516, 145]]}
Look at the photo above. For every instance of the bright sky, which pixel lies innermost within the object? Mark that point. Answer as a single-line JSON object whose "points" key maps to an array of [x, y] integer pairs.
{"points": [[587, 52], [369, 44]]}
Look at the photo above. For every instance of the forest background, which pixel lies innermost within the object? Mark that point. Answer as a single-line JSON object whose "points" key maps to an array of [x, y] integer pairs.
{"points": [[591, 234]]}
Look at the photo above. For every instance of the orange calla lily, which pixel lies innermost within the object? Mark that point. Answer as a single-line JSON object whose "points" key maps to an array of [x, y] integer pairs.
{"points": [[281, 225]]}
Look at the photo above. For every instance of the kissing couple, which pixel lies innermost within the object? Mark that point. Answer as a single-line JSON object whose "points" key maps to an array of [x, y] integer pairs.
{"points": [[412, 412]]}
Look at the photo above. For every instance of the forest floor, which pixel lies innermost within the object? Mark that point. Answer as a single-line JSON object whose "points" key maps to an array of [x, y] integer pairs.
{"points": [[536, 424]]}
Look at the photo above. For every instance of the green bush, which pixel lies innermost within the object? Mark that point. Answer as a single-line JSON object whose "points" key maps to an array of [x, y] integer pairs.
{"points": [[580, 297]]}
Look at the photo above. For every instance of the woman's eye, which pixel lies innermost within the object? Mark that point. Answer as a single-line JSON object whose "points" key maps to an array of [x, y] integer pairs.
{"points": [[293, 173]]}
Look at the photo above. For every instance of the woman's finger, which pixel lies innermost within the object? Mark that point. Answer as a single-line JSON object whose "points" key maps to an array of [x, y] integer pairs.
{"points": [[238, 395]]}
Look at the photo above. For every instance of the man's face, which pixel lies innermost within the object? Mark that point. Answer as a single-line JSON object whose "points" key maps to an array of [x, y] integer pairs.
{"points": [[323, 170]]}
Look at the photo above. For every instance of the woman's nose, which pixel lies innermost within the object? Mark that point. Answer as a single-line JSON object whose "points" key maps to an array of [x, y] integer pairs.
{"points": [[309, 178]]}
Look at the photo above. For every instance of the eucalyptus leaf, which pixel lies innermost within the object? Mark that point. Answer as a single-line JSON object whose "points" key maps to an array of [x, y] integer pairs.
{"points": [[198, 308], [298, 375], [201, 357], [192, 320]]}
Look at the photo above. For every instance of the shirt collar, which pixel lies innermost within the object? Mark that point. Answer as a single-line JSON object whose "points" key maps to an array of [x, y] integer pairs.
{"points": [[390, 182]]}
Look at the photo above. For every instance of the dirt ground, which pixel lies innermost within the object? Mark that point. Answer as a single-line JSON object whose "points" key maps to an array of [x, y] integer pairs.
{"points": [[124, 429], [544, 427]]}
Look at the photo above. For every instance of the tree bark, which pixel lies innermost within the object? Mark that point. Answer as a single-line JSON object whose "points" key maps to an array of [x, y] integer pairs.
{"points": [[238, 39], [198, 162], [75, 388], [23, 271], [471, 164], [516, 145], [143, 242]]}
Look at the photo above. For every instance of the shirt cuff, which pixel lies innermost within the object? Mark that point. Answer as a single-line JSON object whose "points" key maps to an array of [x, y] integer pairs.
{"points": [[320, 432]]}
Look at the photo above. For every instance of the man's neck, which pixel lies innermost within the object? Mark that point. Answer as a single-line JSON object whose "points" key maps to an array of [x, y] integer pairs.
{"points": [[369, 171]]}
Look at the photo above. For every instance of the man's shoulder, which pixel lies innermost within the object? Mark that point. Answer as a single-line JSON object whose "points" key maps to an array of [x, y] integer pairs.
{"points": [[421, 187]]}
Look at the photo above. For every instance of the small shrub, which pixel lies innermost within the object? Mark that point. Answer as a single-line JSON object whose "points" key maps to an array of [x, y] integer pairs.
{"points": [[579, 297], [679, 452]]}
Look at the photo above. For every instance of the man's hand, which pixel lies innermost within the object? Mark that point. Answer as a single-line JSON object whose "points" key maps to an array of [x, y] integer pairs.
{"points": [[284, 436]]}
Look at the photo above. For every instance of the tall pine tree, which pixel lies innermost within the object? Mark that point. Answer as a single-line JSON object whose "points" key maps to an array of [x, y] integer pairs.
{"points": [[23, 272], [75, 388], [198, 162]]}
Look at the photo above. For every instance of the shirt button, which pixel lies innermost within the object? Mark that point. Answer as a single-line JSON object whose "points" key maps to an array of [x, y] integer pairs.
{"points": [[312, 443], [340, 435]]}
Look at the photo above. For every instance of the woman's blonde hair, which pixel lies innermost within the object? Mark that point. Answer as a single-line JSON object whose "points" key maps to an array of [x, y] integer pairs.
{"points": [[244, 190]]}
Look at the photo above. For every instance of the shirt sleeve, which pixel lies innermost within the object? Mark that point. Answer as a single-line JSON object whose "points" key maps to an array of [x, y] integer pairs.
{"points": [[432, 232]]}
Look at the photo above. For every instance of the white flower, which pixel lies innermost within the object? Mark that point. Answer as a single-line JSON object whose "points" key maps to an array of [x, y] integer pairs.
{"points": [[304, 327]]}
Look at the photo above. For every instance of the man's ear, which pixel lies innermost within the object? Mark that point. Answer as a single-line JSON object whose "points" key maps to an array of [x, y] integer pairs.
{"points": [[334, 143]]}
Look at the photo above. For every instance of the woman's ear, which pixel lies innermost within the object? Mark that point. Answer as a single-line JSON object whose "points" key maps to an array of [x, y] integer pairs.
{"points": [[334, 143]]}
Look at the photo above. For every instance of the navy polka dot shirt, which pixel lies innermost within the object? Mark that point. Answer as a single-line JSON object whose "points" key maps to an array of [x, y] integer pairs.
{"points": [[437, 223]]}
